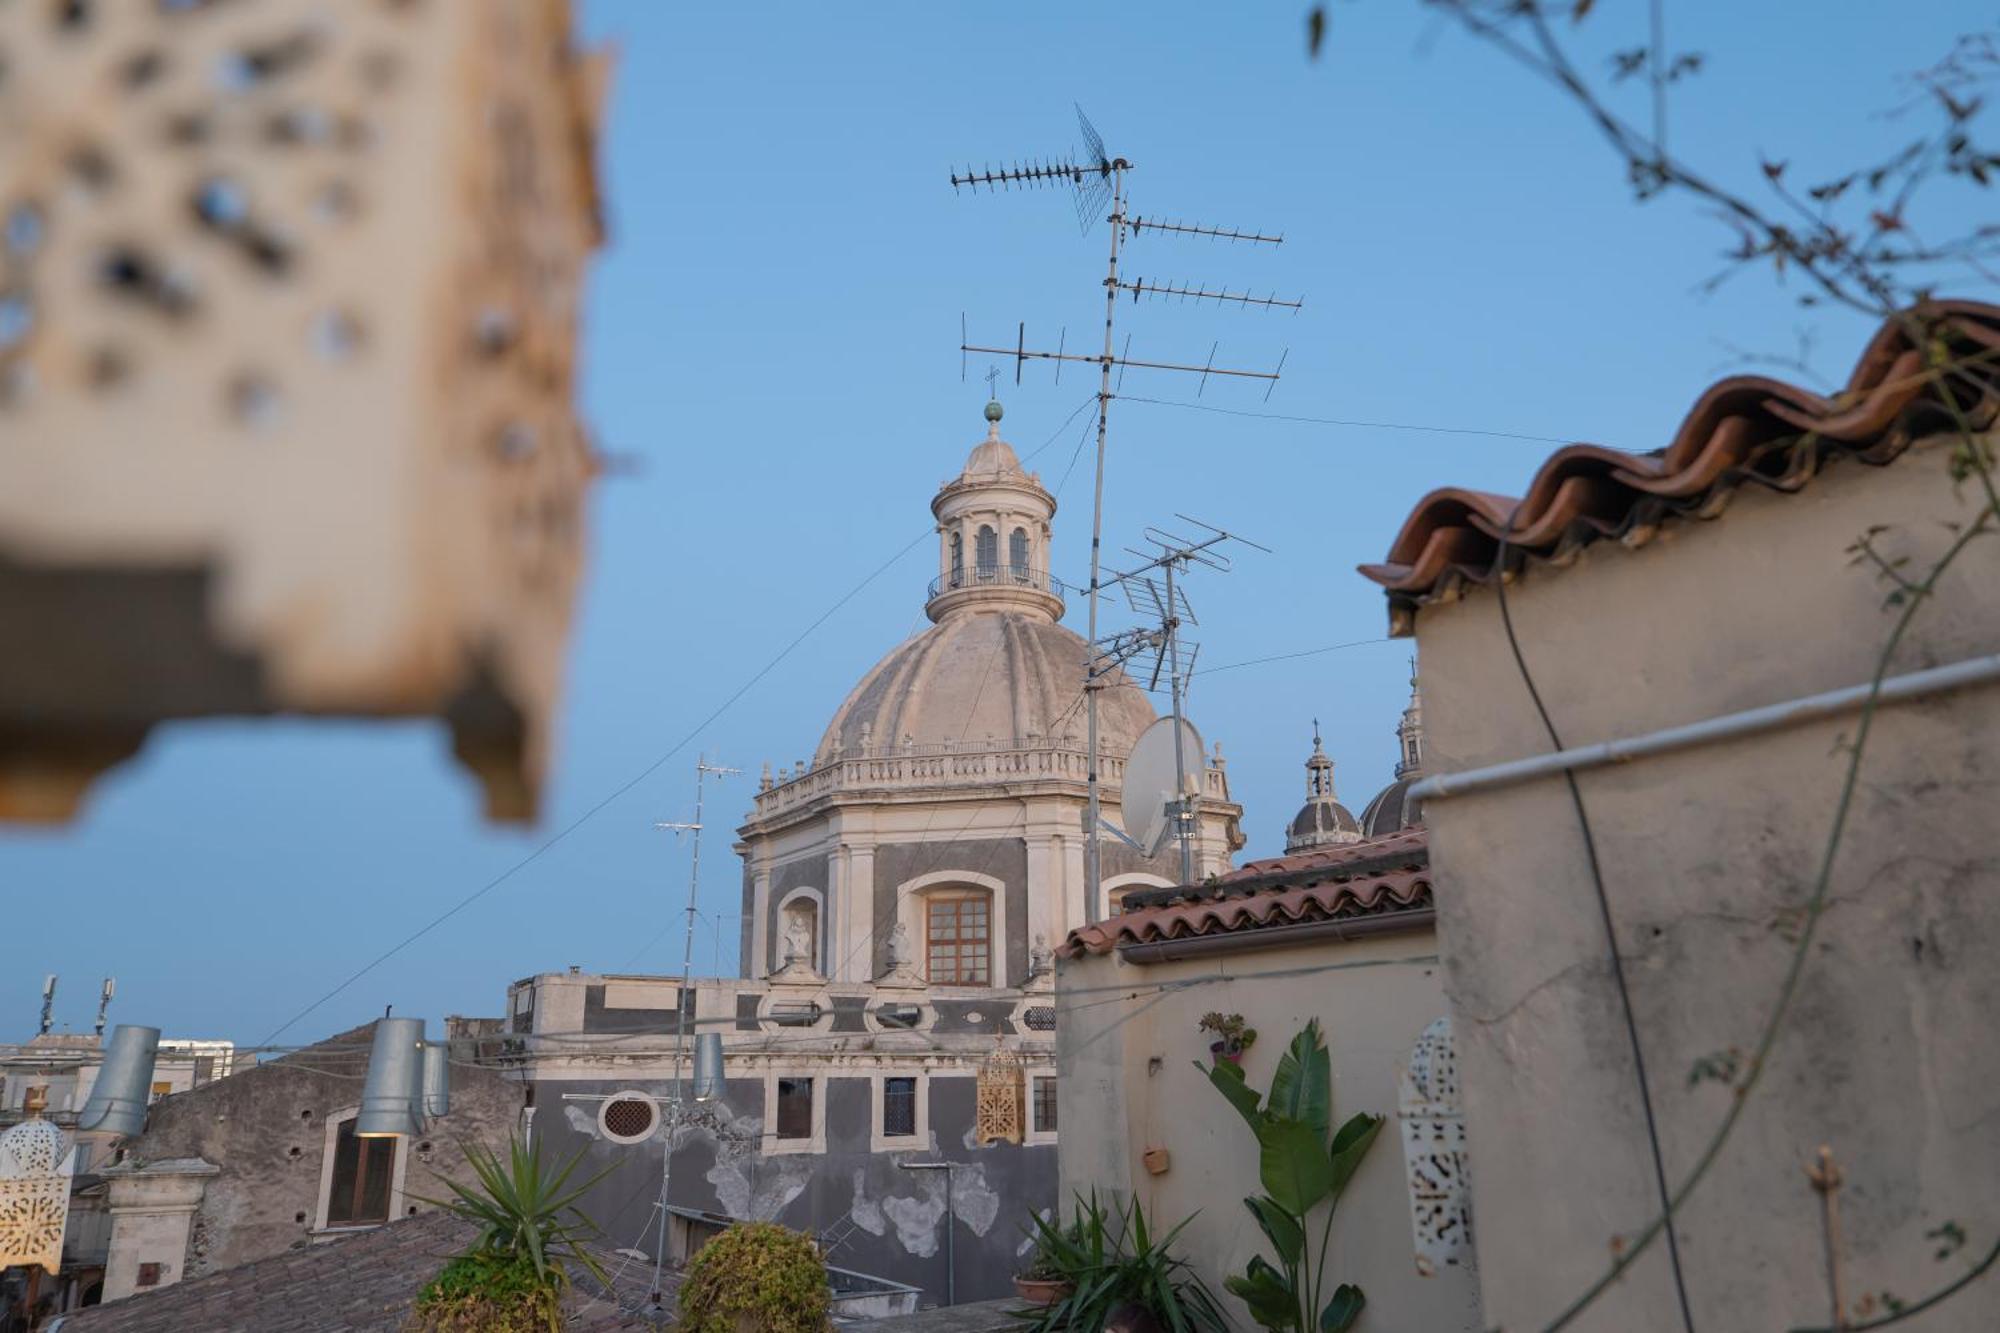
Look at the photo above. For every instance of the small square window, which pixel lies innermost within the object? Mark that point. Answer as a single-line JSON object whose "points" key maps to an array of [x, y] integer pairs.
{"points": [[795, 1108], [899, 1108], [149, 1274], [1045, 1105], [161, 1089]]}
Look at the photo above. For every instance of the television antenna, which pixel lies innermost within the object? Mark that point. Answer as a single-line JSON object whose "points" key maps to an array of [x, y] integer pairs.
{"points": [[1164, 791], [1097, 178], [702, 768]]}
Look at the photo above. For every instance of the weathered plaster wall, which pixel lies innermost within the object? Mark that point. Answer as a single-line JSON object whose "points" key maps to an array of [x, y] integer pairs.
{"points": [[265, 1128], [883, 1220], [1129, 1082], [1708, 855]]}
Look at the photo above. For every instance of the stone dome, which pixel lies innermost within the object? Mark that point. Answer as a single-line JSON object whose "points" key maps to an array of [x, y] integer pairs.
{"points": [[982, 677], [1321, 822], [1391, 811], [992, 458]]}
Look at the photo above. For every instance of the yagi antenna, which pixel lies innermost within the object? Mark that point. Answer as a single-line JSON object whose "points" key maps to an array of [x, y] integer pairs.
{"points": [[1096, 177]]}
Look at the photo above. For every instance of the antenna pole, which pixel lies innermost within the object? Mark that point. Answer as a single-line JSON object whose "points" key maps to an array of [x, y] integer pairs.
{"points": [[1092, 874], [1183, 800], [702, 768]]}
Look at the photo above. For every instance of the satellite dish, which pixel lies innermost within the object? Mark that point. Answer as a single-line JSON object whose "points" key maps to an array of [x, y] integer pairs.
{"points": [[1149, 781]]}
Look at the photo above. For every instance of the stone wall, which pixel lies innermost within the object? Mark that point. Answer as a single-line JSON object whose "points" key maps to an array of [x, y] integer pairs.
{"points": [[1708, 856], [266, 1129]]}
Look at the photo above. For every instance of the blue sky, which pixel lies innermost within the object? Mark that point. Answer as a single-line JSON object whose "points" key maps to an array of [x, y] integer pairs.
{"points": [[771, 341]]}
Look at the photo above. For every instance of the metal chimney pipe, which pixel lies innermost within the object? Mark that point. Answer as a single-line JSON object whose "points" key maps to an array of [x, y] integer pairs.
{"points": [[708, 1066], [437, 1078], [395, 1080], [117, 1102]]}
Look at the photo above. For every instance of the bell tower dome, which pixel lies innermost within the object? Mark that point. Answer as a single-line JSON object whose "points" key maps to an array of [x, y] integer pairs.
{"points": [[993, 536]]}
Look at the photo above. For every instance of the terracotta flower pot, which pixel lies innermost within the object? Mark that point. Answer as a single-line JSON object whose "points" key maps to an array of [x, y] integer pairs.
{"points": [[1042, 1291]]}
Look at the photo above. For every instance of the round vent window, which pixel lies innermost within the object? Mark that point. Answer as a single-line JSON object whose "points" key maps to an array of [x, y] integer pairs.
{"points": [[628, 1117]]}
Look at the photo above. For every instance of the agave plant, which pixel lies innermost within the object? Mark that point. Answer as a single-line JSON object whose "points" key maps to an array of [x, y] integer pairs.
{"points": [[526, 1211], [1302, 1170], [1118, 1264]]}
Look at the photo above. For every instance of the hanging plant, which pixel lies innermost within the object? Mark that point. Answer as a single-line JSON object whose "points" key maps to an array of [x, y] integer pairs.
{"points": [[1232, 1036]]}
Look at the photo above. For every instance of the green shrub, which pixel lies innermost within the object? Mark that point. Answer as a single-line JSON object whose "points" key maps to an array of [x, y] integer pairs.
{"points": [[767, 1277], [487, 1293]]}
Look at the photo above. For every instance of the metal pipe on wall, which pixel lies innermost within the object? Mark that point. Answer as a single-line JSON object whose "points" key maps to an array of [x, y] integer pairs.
{"points": [[1811, 707]]}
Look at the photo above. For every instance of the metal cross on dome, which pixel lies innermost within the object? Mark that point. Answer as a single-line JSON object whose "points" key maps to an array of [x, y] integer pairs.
{"points": [[992, 380]]}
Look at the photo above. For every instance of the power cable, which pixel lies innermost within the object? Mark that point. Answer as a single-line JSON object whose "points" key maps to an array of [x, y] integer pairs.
{"points": [[1610, 930], [1337, 421], [623, 788]]}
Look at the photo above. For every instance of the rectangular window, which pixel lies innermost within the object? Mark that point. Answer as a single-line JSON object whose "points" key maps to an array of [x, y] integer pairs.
{"points": [[795, 1108], [958, 942], [899, 1108], [161, 1089], [1045, 1106], [362, 1170], [149, 1274]]}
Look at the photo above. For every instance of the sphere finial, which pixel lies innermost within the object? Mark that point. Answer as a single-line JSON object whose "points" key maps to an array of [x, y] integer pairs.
{"points": [[994, 411]]}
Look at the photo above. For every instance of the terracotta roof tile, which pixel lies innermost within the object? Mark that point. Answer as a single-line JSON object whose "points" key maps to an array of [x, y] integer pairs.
{"points": [[1366, 878], [1745, 430]]}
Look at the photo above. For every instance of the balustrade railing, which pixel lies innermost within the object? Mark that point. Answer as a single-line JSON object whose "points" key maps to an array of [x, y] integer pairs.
{"points": [[998, 576]]}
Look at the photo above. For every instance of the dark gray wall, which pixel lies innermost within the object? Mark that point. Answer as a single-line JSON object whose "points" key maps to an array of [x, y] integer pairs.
{"points": [[997, 1190], [1006, 859]]}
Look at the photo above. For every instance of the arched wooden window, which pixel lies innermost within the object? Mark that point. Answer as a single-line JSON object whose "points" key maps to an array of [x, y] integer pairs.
{"points": [[986, 551], [1017, 554], [957, 559], [958, 938]]}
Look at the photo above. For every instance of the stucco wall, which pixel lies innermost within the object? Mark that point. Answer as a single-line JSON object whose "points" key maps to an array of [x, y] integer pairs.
{"points": [[878, 1218], [1129, 1082], [265, 1128], [1707, 854]]}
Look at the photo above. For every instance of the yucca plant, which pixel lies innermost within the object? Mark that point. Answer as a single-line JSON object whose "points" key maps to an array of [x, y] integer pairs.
{"points": [[1118, 1265], [531, 1233]]}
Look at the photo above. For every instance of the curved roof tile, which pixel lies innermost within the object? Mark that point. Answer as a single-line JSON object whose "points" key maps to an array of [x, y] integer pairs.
{"points": [[1744, 429]]}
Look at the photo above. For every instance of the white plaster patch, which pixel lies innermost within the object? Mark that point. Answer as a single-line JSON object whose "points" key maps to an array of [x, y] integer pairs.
{"points": [[917, 1219], [580, 1120], [1029, 1234], [867, 1213], [920, 1218], [759, 1188], [978, 1204]]}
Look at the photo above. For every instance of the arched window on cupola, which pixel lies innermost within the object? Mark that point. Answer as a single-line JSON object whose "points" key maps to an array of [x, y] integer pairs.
{"points": [[986, 551], [1017, 554], [957, 559]]}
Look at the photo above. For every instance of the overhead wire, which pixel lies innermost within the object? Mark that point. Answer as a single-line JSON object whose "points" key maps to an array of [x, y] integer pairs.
{"points": [[1339, 421], [1610, 929]]}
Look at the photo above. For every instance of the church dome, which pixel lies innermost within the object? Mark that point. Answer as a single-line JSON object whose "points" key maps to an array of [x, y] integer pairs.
{"points": [[1391, 811], [1322, 821], [1318, 823], [980, 677]]}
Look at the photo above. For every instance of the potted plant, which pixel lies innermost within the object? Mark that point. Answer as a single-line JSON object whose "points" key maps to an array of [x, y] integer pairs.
{"points": [[755, 1276], [1043, 1281], [1232, 1036], [1119, 1275]]}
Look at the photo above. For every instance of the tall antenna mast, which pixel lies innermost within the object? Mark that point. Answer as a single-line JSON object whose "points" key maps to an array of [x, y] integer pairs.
{"points": [[1173, 656], [48, 1004], [104, 1001], [702, 768], [1096, 177]]}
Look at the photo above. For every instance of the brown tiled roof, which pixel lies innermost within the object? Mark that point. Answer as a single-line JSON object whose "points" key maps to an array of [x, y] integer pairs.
{"points": [[1745, 430], [1369, 878], [364, 1283]]}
